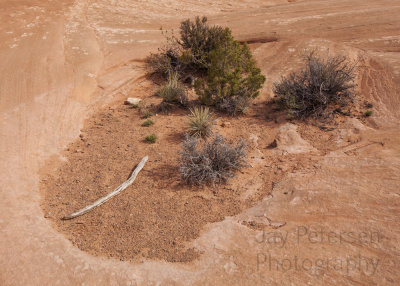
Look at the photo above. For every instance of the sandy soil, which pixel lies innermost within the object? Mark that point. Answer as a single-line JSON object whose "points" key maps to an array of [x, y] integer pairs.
{"points": [[62, 61]]}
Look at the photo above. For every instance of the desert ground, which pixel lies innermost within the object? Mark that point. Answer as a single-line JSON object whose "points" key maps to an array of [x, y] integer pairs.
{"points": [[322, 208]]}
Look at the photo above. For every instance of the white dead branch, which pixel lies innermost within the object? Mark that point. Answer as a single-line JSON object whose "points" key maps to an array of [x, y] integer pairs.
{"points": [[102, 200]]}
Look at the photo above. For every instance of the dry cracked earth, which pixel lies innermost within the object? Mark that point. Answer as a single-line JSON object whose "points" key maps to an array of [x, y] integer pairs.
{"points": [[322, 208]]}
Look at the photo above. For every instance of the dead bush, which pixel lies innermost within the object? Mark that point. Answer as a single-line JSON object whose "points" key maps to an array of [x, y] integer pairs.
{"points": [[320, 84], [168, 58], [212, 161], [234, 105]]}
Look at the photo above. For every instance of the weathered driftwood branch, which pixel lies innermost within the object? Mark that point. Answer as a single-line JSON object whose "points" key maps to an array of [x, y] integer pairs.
{"points": [[102, 200]]}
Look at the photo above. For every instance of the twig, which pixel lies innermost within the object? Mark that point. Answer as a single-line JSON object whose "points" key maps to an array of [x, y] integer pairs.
{"points": [[102, 200]]}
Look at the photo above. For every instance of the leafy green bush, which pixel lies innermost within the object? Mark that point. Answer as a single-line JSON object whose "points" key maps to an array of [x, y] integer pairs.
{"points": [[200, 122], [151, 138], [213, 161], [233, 79], [173, 91], [320, 84], [148, 122]]}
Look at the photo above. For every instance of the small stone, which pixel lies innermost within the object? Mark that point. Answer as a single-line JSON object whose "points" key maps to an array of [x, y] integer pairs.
{"points": [[132, 100], [226, 124]]}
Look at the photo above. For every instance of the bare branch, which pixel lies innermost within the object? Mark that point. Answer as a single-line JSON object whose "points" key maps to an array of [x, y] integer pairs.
{"points": [[102, 200]]}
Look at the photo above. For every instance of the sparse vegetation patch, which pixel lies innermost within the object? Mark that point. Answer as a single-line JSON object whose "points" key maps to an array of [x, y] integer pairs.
{"points": [[227, 75]]}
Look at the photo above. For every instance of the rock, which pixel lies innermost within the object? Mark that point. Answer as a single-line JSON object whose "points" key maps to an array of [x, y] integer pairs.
{"points": [[274, 144], [277, 224], [290, 141], [226, 124], [132, 100]]}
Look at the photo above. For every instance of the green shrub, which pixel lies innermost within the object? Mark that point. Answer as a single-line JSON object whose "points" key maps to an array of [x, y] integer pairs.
{"points": [[190, 53], [368, 113], [212, 161], [151, 138], [233, 79], [148, 122], [198, 40], [173, 91], [200, 122], [320, 84]]}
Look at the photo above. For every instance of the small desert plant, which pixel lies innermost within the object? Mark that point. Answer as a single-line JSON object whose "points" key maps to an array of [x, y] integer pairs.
{"points": [[368, 113], [147, 114], [151, 138], [320, 84], [148, 122], [233, 79], [212, 161], [173, 91], [200, 122]]}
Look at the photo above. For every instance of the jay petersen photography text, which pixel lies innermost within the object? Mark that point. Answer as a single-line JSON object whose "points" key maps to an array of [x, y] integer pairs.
{"points": [[270, 260]]}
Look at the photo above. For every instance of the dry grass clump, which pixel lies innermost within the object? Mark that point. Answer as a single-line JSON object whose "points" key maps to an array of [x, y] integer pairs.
{"points": [[213, 161], [322, 83], [173, 91], [200, 122]]}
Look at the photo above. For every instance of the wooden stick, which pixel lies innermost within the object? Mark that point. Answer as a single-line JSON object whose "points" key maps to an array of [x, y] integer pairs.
{"points": [[102, 200]]}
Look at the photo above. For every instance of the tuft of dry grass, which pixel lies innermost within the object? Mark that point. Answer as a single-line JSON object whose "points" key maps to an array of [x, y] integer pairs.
{"points": [[173, 91]]}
